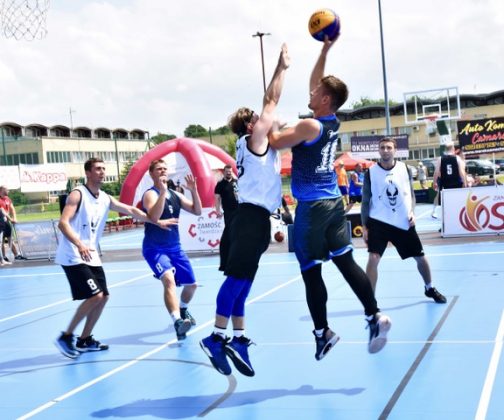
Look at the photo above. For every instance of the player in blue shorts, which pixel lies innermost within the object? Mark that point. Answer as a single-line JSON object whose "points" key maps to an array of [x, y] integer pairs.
{"points": [[320, 226], [161, 247]]}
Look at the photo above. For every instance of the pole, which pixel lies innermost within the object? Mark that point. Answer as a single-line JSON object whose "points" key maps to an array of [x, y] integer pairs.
{"points": [[117, 160], [385, 93], [71, 117], [260, 35], [3, 147]]}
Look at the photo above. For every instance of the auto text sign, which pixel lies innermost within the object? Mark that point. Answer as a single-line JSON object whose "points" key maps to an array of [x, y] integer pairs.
{"points": [[473, 211], [481, 136]]}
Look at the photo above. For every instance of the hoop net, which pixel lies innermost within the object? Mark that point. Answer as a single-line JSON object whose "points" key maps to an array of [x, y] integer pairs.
{"points": [[23, 19], [430, 124]]}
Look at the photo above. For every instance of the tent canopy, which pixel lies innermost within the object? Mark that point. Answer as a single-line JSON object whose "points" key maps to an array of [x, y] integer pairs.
{"points": [[352, 161]]}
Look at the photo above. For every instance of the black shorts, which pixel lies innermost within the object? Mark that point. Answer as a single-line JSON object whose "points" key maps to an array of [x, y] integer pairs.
{"points": [[406, 242], [85, 280], [355, 199], [249, 238], [6, 228]]}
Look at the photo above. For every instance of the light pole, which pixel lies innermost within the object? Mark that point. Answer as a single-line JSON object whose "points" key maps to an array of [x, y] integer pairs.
{"points": [[385, 93], [260, 35]]}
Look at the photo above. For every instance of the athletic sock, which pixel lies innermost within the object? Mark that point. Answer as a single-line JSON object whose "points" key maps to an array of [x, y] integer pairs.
{"points": [[183, 305], [238, 333], [319, 333], [220, 331], [175, 315]]}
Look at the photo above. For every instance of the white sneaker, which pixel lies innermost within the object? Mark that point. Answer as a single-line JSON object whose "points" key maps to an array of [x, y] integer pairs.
{"points": [[378, 329]]}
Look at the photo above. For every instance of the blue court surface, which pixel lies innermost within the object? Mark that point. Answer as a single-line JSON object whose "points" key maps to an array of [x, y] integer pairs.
{"points": [[441, 361]]}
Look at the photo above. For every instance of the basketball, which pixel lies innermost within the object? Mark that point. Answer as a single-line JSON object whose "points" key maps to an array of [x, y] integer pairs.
{"points": [[324, 22], [279, 236]]}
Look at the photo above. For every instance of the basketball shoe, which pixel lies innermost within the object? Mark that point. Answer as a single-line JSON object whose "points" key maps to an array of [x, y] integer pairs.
{"points": [[185, 314], [181, 327], [325, 343], [434, 294], [237, 350], [379, 326], [214, 347], [65, 344], [89, 344]]}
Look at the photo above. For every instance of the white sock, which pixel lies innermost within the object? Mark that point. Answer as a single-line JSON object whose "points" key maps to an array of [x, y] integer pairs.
{"points": [[428, 286], [220, 331], [175, 315], [238, 333], [183, 305], [319, 333]]}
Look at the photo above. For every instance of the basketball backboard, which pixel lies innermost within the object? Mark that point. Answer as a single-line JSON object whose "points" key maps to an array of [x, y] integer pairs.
{"points": [[437, 104]]}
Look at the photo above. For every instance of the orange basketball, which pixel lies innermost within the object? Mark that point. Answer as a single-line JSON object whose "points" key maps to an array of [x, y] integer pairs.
{"points": [[279, 236]]}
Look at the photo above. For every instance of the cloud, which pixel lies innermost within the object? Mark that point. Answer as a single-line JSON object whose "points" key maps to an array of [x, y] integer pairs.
{"points": [[162, 65]]}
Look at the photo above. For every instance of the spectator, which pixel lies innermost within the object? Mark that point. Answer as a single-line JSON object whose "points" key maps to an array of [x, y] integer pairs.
{"points": [[422, 175], [10, 219]]}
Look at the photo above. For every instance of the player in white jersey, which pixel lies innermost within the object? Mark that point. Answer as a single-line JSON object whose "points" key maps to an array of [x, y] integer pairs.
{"points": [[82, 223], [387, 216], [259, 184]]}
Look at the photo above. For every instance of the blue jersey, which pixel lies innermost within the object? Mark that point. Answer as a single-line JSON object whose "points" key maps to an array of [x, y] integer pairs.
{"points": [[355, 190], [313, 175], [156, 237]]}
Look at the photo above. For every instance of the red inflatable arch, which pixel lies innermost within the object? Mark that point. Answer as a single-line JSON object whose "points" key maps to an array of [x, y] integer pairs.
{"points": [[194, 152]]}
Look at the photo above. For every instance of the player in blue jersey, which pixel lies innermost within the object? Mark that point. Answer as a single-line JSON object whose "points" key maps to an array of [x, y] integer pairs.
{"points": [[260, 188], [162, 249], [320, 226]]}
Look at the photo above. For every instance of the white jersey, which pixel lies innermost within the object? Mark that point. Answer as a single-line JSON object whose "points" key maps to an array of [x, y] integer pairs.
{"points": [[391, 200], [259, 180], [88, 223]]}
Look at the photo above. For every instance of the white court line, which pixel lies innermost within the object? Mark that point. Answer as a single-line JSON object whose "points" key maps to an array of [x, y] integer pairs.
{"points": [[60, 302], [133, 362], [486, 393]]}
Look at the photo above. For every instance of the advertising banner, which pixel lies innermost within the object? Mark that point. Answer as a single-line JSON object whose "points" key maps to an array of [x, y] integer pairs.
{"points": [[367, 146], [200, 233], [41, 178], [37, 239], [481, 136], [473, 211], [9, 176]]}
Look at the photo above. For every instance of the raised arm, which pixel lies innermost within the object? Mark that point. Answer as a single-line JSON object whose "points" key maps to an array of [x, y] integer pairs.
{"points": [[193, 206], [318, 70], [259, 141]]}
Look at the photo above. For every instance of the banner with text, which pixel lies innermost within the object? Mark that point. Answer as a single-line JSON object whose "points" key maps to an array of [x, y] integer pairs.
{"points": [[481, 136], [473, 211], [200, 233], [41, 178], [367, 146]]}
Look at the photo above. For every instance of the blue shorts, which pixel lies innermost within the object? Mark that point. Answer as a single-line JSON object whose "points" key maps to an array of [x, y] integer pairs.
{"points": [[161, 260], [343, 189], [320, 231]]}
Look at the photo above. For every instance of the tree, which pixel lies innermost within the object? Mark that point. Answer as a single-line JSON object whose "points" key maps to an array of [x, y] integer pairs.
{"points": [[222, 130], [230, 146], [195, 131], [366, 101], [161, 137]]}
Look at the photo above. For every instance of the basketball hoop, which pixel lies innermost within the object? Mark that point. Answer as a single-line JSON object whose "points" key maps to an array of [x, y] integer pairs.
{"points": [[23, 19], [430, 124]]}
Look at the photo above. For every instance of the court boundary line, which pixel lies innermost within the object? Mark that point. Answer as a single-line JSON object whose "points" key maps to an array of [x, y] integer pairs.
{"points": [[486, 392], [137, 359], [411, 371]]}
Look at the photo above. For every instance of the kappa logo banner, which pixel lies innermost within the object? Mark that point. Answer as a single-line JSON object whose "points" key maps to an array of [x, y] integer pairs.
{"points": [[40, 178], [473, 211], [200, 233]]}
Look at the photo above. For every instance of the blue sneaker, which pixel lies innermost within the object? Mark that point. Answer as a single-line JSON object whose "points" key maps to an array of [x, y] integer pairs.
{"points": [[65, 344], [214, 347], [237, 350], [89, 344], [379, 326]]}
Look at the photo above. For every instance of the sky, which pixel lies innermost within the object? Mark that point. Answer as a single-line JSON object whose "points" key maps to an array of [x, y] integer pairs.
{"points": [[161, 65]]}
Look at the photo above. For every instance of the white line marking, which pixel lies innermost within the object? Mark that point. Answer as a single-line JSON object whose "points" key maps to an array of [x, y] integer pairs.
{"points": [[133, 362], [60, 302], [486, 393]]}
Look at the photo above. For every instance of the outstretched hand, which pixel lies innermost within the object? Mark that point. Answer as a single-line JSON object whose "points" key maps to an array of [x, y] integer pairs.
{"points": [[190, 182], [328, 43], [284, 59]]}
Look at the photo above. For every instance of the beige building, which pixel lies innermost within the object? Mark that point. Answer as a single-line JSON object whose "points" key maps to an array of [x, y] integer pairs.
{"points": [[423, 138], [40, 144]]}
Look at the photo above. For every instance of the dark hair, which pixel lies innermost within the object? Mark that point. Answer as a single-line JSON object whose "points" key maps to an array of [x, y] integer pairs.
{"points": [[336, 89], [239, 120], [154, 163], [228, 166], [88, 165], [388, 139], [171, 184]]}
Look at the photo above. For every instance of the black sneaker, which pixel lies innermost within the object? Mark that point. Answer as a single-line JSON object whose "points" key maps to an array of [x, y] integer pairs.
{"points": [[185, 314], [20, 257], [237, 350], [325, 343], [434, 294], [214, 347], [181, 327], [89, 344], [6, 260], [379, 326], [65, 344]]}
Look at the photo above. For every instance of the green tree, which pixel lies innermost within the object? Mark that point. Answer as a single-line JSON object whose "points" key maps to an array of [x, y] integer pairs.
{"points": [[230, 146], [222, 130], [366, 101], [161, 137], [195, 131]]}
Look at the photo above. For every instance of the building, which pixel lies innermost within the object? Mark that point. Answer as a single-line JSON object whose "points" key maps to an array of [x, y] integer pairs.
{"points": [[423, 138], [40, 144]]}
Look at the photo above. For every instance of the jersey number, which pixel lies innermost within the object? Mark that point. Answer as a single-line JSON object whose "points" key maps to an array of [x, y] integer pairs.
{"points": [[327, 159], [449, 169]]}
